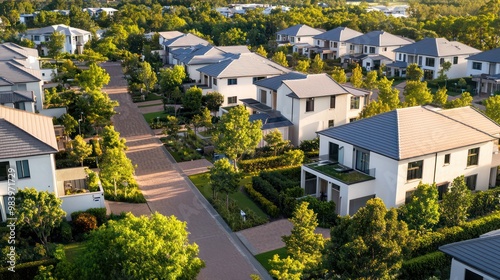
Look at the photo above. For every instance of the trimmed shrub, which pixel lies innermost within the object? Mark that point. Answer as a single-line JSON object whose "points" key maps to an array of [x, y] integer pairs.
{"points": [[263, 202], [280, 182], [84, 223], [484, 202], [25, 270], [422, 267], [99, 214], [325, 211], [257, 164], [66, 234]]}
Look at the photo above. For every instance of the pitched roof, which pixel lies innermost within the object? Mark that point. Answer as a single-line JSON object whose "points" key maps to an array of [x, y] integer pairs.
{"points": [[170, 34], [338, 34], [416, 131], [380, 38], [16, 96], [185, 40], [13, 72], [437, 47], [481, 253], [488, 56], [201, 54], [275, 82], [13, 51], [244, 65], [314, 85], [300, 30], [66, 30], [25, 134]]}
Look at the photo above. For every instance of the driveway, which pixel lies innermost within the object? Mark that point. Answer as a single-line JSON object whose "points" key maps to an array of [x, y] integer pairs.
{"points": [[168, 191]]}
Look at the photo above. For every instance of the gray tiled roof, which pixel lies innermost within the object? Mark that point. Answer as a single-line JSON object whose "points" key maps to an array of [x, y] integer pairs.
{"points": [[481, 253], [10, 51], [339, 34], [314, 85], [380, 39], [11, 71], [300, 30], [185, 40], [170, 34], [437, 47], [398, 64], [66, 30], [244, 65], [488, 56], [416, 131], [16, 96], [275, 82]]}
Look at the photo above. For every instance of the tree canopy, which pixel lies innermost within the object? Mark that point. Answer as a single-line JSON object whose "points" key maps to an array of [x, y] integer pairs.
{"points": [[94, 78], [422, 212]]}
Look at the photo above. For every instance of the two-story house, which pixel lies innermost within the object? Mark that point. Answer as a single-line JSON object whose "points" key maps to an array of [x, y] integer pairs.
{"points": [[27, 156], [430, 54], [234, 77], [332, 43], [95, 12], [182, 41], [484, 68], [388, 155], [75, 38], [374, 49], [19, 81], [299, 36]]}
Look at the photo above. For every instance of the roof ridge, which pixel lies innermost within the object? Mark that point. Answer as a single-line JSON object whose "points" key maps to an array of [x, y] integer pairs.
{"points": [[27, 72]]}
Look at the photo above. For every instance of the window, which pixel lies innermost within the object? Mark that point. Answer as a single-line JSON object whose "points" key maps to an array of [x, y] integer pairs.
{"points": [[415, 170], [419, 61], [263, 96], [372, 49], [351, 47], [430, 61], [255, 79], [400, 57], [4, 170], [362, 160], [310, 105], [455, 60], [366, 49], [354, 102], [214, 81], [231, 100], [20, 106], [442, 189], [332, 101], [447, 159], [292, 39], [333, 152], [473, 157], [317, 42], [441, 61], [385, 49], [477, 65], [470, 275], [335, 44], [470, 181], [298, 39], [352, 120], [23, 169], [409, 196], [232, 82], [331, 123], [36, 38]]}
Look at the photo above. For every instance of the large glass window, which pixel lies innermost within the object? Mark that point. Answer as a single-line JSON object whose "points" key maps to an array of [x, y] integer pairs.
{"points": [[23, 169], [430, 61], [354, 102], [263, 96], [362, 160], [415, 170], [473, 157], [333, 152], [477, 65]]}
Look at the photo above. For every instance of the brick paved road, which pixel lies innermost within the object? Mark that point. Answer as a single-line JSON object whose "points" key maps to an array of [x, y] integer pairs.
{"points": [[168, 192]]}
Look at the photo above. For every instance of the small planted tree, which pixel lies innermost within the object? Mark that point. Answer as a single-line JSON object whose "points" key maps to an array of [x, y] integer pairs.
{"points": [[302, 66], [94, 78], [111, 139], [172, 127], [260, 50], [115, 169], [414, 73], [80, 149], [370, 81], [224, 178], [213, 101], [440, 97], [338, 74], [317, 64], [456, 203], [191, 100], [422, 212], [280, 58], [357, 77], [274, 140], [492, 105], [56, 44]]}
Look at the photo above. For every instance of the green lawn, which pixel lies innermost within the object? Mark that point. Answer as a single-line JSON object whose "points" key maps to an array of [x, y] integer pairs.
{"points": [[264, 258], [74, 250], [201, 181], [151, 116], [152, 96]]}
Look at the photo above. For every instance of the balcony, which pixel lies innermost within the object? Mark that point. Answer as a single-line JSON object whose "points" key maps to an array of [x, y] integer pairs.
{"points": [[341, 172]]}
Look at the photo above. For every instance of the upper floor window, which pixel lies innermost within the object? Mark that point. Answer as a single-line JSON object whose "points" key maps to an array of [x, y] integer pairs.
{"points": [[292, 39], [477, 65], [400, 56], [215, 81], [310, 105], [332, 101], [232, 100], [335, 44], [331, 123], [351, 47], [23, 169], [372, 49], [385, 49], [455, 60], [447, 159], [366, 49], [354, 102], [415, 170], [473, 157], [441, 61], [36, 38], [263, 96], [318, 42], [430, 61], [419, 61], [232, 82], [4, 170], [255, 79], [362, 160]]}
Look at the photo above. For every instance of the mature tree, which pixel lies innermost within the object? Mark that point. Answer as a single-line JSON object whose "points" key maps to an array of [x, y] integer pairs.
{"points": [[161, 250], [116, 168], [302, 66], [374, 108], [440, 97], [171, 78], [369, 245], [286, 269], [69, 123], [232, 37], [39, 211], [422, 212], [464, 100], [387, 94], [203, 119], [235, 134], [191, 100], [338, 74], [356, 77], [224, 178], [56, 44], [317, 64], [147, 76], [492, 105], [260, 50], [280, 58], [275, 141], [82, 19], [94, 78], [445, 67], [80, 149], [417, 93], [111, 139], [370, 81], [97, 107], [172, 127], [456, 203], [414, 73], [213, 101]]}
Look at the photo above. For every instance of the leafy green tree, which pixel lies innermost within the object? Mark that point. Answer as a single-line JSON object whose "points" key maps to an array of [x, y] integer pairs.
{"points": [[417, 93], [492, 105], [356, 77], [224, 178], [192, 99], [422, 212], [456, 203], [96, 107], [40, 211], [317, 64], [280, 58], [464, 100], [374, 108], [370, 81], [260, 50], [302, 66], [286, 269], [56, 44], [69, 123], [116, 168], [414, 73], [147, 76], [161, 250], [235, 134], [232, 37], [445, 67], [275, 141], [461, 82], [206, 118], [440, 97], [213, 101], [111, 139], [94, 78], [339, 75], [172, 127], [80, 149], [387, 94], [171, 78]]}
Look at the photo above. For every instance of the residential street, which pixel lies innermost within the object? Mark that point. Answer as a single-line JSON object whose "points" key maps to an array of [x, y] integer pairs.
{"points": [[168, 191]]}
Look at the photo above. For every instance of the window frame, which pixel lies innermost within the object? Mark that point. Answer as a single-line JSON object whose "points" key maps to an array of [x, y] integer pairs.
{"points": [[4, 177], [230, 98], [214, 81], [415, 170], [428, 61], [333, 101], [477, 65], [371, 50], [447, 159], [232, 82], [471, 182], [355, 100], [473, 157], [23, 169], [455, 60], [331, 123], [310, 104]]}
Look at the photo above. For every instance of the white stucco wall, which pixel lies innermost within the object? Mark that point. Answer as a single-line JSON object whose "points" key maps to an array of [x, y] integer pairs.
{"points": [[36, 87], [458, 271], [82, 202]]}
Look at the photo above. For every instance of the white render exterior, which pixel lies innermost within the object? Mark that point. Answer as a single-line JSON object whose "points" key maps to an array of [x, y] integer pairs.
{"points": [[457, 70], [485, 72], [243, 89], [74, 41], [35, 87], [371, 50], [458, 271]]}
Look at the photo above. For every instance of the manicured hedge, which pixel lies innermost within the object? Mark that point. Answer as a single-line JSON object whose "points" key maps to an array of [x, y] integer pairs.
{"points": [[267, 205], [99, 213], [426, 266], [25, 271], [484, 202], [292, 173], [257, 164], [278, 181], [266, 189]]}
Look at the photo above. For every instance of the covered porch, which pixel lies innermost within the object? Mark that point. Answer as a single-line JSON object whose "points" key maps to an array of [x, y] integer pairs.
{"points": [[487, 84]]}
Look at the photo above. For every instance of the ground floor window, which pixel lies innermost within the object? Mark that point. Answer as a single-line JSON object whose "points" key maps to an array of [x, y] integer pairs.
{"points": [[470, 181]]}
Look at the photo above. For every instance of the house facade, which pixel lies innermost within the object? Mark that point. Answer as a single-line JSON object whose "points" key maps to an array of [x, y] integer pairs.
{"points": [[388, 155], [299, 36], [484, 68], [430, 54], [75, 38], [332, 43]]}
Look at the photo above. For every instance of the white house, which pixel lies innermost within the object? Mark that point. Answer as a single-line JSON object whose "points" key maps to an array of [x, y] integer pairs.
{"points": [[373, 49], [95, 12], [182, 41], [484, 68], [299, 36], [387, 155], [17, 77], [75, 38], [430, 54], [332, 43], [476, 258], [27, 158]]}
